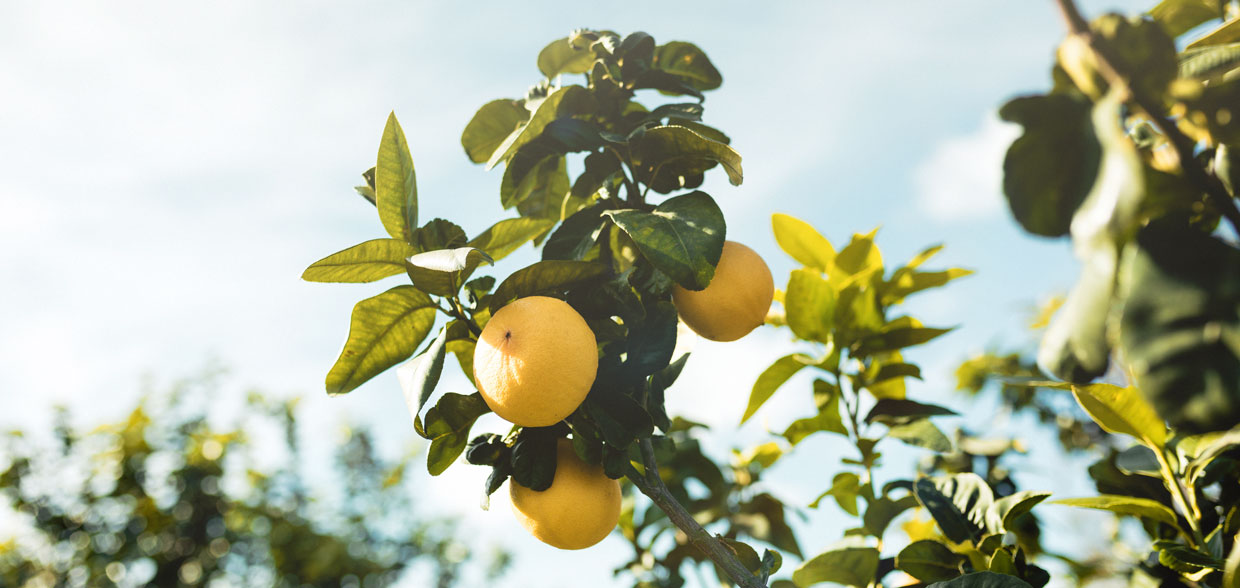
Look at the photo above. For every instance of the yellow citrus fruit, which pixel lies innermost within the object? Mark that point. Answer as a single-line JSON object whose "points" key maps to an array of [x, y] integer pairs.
{"points": [[735, 302], [535, 361], [579, 509]]}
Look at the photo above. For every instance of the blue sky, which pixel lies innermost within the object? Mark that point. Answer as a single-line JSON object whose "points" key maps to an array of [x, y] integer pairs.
{"points": [[169, 169]]}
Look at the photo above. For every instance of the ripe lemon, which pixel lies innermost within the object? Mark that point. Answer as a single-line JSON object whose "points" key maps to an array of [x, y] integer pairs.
{"points": [[735, 302], [535, 361], [579, 509]]}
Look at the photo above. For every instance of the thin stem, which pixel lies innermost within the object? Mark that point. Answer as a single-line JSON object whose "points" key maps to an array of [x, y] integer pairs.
{"points": [[1177, 494], [632, 196], [652, 486], [1113, 69], [458, 312]]}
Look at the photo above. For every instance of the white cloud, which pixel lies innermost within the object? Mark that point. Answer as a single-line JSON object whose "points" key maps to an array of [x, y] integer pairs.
{"points": [[962, 179]]}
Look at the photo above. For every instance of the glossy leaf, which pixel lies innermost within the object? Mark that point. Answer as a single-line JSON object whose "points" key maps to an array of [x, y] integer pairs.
{"points": [[682, 237], [545, 277], [562, 57], [801, 241], [671, 144], [419, 377], [565, 102], [1122, 410], [1048, 171], [1180, 330], [852, 566], [365, 262], [929, 561], [447, 426], [686, 61], [576, 235], [958, 504], [771, 379], [921, 433], [1143, 508], [508, 235], [893, 411], [809, 305], [490, 126], [396, 187], [983, 580], [443, 272], [534, 457], [384, 331]]}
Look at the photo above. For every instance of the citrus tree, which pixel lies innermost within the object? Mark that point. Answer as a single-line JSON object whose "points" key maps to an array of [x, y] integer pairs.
{"points": [[579, 349]]}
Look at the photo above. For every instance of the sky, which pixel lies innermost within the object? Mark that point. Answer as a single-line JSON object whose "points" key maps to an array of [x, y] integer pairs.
{"points": [[167, 170]]}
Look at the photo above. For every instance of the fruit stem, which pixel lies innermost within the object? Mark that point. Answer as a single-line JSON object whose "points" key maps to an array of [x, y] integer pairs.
{"points": [[651, 484], [1112, 68]]}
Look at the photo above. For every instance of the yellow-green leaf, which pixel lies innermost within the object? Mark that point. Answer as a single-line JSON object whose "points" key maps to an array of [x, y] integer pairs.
{"points": [[801, 241], [1122, 410], [364, 262], [384, 331], [396, 187]]}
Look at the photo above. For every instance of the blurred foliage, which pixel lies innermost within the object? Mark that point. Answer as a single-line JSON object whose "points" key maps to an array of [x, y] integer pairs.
{"points": [[165, 497]]}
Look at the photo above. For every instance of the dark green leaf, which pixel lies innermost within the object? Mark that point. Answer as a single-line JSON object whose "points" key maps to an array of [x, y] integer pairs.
{"points": [[1180, 328], [958, 504], [1004, 512], [652, 340], [983, 580], [771, 379], [880, 513], [444, 271], [682, 237], [893, 411], [396, 187], [687, 62], [659, 383], [853, 566], [929, 561], [364, 262], [493, 123], [419, 377], [892, 339], [485, 450], [809, 305], [801, 241], [921, 433], [771, 562], [565, 102], [534, 457], [447, 426], [675, 147], [439, 233], [1050, 169], [576, 235], [763, 519], [1125, 505], [508, 235], [561, 57], [543, 277], [499, 474], [1184, 559], [620, 418], [384, 331], [544, 184]]}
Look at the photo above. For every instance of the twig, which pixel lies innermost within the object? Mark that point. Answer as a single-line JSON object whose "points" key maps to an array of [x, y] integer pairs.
{"points": [[652, 486], [1115, 71]]}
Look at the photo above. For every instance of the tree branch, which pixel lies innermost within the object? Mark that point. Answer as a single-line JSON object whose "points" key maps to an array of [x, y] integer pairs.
{"points": [[653, 487], [1116, 73]]}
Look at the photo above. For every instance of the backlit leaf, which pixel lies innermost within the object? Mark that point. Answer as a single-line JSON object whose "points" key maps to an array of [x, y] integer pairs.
{"points": [[444, 271], [853, 566], [396, 187], [365, 262], [1122, 410], [1144, 508], [490, 126], [771, 379], [384, 331], [682, 237], [508, 235], [447, 426], [801, 241], [545, 277]]}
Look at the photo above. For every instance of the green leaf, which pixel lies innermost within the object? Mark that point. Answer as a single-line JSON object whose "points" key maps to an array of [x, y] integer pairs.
{"points": [[1122, 410], [364, 262], [1075, 346], [929, 561], [899, 411], [983, 580], [853, 566], [1143, 508], [682, 237], [544, 186], [675, 147], [771, 562], [1050, 169], [809, 305], [652, 340], [506, 236], [958, 504], [659, 383], [565, 102], [1004, 512], [439, 233], [763, 519], [801, 241], [419, 377], [744, 554], [845, 488], [561, 57], [545, 277], [1228, 32], [921, 433], [396, 187], [880, 513], [447, 426], [1231, 569], [1184, 559], [1180, 328], [828, 418], [620, 418], [384, 331], [576, 235], [1179, 16], [687, 62], [858, 260], [444, 271], [534, 457], [1209, 62], [772, 378], [905, 282], [894, 337], [493, 123]]}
